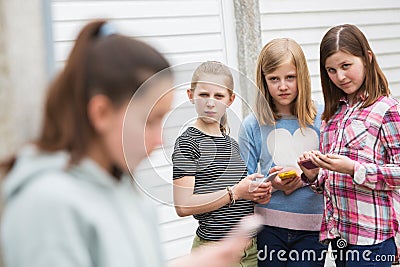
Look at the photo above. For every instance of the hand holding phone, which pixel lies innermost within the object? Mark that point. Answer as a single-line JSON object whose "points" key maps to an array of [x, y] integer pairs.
{"points": [[308, 164], [258, 181]]}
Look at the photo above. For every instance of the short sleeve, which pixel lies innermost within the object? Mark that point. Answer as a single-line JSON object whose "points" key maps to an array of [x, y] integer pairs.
{"points": [[185, 157]]}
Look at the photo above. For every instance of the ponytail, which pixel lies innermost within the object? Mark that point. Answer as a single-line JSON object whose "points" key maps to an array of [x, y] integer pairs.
{"points": [[101, 62], [66, 125], [223, 125]]}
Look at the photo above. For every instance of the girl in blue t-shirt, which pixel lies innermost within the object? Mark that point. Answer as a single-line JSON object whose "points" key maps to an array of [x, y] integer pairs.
{"points": [[285, 124]]}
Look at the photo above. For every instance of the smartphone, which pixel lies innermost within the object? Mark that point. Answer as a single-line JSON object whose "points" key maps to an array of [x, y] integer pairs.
{"points": [[258, 181], [287, 175], [308, 164]]}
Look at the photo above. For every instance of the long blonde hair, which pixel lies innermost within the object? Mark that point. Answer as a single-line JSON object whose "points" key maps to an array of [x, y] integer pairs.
{"points": [[272, 56], [215, 68]]}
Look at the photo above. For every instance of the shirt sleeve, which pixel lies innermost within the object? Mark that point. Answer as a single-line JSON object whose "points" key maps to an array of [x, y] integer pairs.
{"points": [[185, 157], [384, 176], [249, 152], [318, 185]]}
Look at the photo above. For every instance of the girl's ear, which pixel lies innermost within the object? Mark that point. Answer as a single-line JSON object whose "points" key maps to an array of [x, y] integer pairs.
{"points": [[99, 111], [231, 99], [190, 95], [370, 55]]}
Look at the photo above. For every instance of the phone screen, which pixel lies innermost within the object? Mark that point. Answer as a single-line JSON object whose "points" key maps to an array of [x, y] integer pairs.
{"points": [[258, 181], [308, 164]]}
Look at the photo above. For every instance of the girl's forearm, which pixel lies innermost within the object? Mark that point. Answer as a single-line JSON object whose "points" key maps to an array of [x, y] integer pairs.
{"points": [[202, 203]]}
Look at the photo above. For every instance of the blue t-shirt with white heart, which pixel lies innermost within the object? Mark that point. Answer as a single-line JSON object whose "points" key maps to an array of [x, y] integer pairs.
{"points": [[265, 146]]}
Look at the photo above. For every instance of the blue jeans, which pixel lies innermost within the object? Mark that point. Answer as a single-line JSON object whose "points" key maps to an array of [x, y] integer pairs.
{"points": [[382, 254], [280, 247]]}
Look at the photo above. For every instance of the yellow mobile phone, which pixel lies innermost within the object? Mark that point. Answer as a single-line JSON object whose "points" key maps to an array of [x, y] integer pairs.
{"points": [[287, 175]]}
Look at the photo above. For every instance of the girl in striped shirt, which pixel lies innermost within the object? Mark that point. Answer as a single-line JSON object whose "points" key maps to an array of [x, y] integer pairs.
{"points": [[210, 178], [359, 153]]}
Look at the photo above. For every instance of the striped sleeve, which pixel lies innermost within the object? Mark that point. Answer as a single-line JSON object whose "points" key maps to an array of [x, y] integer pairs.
{"points": [[185, 157]]}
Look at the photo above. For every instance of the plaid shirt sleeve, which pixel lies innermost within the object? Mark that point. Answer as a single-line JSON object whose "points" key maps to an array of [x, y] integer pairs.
{"points": [[384, 176]]}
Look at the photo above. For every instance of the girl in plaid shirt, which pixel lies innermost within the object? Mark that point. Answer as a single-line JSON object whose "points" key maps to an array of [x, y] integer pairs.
{"points": [[359, 153]]}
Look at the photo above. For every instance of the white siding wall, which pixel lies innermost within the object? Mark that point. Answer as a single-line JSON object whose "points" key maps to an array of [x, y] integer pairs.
{"points": [[307, 22], [184, 31]]}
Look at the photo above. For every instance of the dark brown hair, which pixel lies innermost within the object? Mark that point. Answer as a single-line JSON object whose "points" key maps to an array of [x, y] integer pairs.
{"points": [[349, 39], [101, 62]]}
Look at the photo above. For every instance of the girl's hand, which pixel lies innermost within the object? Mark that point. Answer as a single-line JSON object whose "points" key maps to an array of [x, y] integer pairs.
{"points": [[260, 195], [311, 174], [296, 184], [275, 169], [333, 162], [288, 186]]}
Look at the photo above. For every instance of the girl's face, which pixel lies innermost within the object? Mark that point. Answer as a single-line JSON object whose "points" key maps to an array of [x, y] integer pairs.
{"points": [[346, 71], [136, 130], [282, 86], [211, 98]]}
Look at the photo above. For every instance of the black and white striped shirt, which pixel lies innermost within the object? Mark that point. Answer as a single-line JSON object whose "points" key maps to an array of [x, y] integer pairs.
{"points": [[215, 163]]}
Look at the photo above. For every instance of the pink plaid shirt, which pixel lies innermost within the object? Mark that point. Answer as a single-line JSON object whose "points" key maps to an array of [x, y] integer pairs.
{"points": [[362, 209]]}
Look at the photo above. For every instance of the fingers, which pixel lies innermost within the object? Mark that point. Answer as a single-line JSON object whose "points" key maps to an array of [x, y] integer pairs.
{"points": [[317, 158], [263, 189], [334, 156], [275, 168], [254, 176], [265, 185], [325, 161], [286, 182], [338, 163], [304, 156], [262, 199], [262, 194]]}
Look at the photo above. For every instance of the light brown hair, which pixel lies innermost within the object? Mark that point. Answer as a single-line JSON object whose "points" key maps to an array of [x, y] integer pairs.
{"points": [[214, 68], [273, 55]]}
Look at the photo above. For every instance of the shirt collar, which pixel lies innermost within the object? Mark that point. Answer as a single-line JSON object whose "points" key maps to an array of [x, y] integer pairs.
{"points": [[360, 97]]}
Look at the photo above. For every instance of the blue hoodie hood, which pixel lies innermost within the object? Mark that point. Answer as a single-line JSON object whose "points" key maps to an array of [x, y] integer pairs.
{"points": [[28, 166], [32, 163]]}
